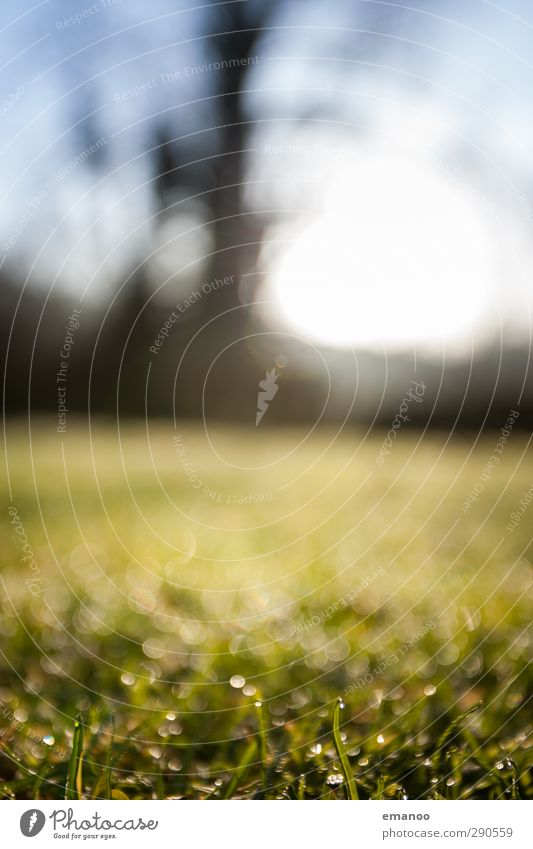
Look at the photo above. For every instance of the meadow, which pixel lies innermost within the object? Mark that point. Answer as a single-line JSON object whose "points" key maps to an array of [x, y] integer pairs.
{"points": [[266, 614]]}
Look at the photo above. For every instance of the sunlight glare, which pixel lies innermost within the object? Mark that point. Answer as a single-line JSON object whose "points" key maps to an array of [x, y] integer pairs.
{"points": [[400, 255]]}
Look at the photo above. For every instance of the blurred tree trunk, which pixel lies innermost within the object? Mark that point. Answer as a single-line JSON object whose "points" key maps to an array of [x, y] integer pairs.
{"points": [[236, 231]]}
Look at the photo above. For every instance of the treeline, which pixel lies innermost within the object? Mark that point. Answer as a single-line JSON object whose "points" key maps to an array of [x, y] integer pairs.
{"points": [[111, 368]]}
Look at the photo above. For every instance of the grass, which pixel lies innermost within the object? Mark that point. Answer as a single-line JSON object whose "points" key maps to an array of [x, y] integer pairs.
{"points": [[176, 639], [351, 786]]}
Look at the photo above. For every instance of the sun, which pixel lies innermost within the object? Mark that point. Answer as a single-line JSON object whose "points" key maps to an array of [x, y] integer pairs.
{"points": [[401, 255]]}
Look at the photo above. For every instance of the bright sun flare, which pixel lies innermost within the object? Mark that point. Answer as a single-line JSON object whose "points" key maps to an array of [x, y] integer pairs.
{"points": [[400, 255]]}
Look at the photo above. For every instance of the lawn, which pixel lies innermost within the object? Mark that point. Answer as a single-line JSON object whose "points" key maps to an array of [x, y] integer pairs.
{"points": [[192, 608]]}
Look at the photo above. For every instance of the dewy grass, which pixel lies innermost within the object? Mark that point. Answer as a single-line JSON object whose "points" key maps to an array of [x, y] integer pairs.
{"points": [[109, 759], [244, 765], [262, 740], [351, 787], [74, 786], [182, 629]]}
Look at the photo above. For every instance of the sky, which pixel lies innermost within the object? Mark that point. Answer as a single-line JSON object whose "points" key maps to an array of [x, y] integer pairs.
{"points": [[436, 97]]}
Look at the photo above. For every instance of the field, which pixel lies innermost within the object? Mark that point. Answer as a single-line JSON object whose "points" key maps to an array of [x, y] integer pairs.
{"points": [[190, 613]]}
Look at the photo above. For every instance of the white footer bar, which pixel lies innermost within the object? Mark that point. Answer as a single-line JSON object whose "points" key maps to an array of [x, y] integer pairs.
{"points": [[264, 825]]}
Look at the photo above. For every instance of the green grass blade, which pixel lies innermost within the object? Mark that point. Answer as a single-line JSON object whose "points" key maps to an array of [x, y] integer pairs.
{"points": [[241, 770], [515, 786], [74, 774], [380, 790], [108, 761], [449, 733], [39, 778], [262, 742], [351, 787]]}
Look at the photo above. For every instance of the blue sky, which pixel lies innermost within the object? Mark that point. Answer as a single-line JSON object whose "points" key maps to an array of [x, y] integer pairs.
{"points": [[452, 78]]}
